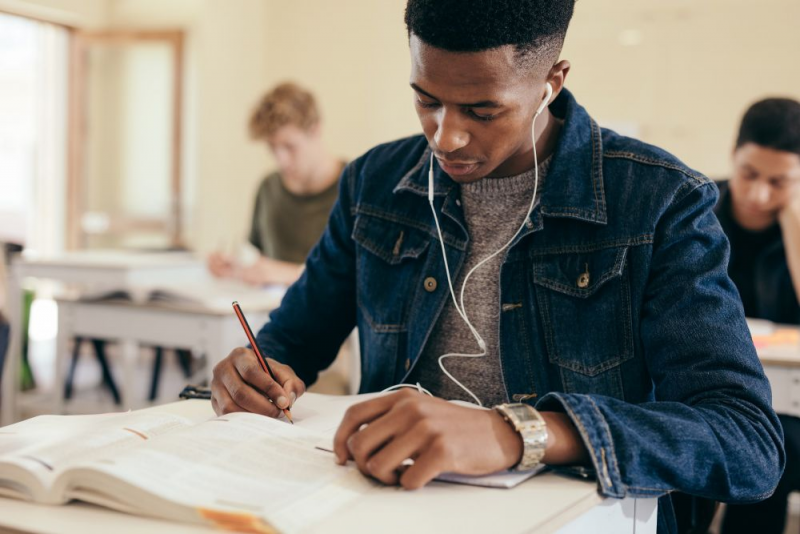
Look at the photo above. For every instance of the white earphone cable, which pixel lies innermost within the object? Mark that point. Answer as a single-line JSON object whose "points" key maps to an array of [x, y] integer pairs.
{"points": [[459, 304]]}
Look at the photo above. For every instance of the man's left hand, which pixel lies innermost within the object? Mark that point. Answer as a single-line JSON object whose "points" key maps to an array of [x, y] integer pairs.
{"points": [[439, 436]]}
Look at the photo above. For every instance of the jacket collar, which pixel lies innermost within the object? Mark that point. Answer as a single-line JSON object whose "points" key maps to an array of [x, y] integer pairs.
{"points": [[574, 181]]}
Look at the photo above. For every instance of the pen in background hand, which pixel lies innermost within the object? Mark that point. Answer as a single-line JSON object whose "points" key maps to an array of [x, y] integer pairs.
{"points": [[261, 359]]}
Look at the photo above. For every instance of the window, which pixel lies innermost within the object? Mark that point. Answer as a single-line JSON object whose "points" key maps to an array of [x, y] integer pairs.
{"points": [[33, 101]]}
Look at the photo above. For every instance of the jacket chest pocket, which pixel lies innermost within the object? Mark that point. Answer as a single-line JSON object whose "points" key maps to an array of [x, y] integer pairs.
{"points": [[387, 267], [585, 310]]}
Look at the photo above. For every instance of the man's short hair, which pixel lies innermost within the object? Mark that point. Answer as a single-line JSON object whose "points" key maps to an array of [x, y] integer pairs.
{"points": [[287, 103], [772, 123], [536, 28]]}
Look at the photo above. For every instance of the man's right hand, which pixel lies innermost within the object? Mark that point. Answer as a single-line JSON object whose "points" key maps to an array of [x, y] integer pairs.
{"points": [[241, 385], [221, 266]]}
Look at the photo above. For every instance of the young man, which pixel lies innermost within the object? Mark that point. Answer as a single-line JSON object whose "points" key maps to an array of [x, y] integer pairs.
{"points": [[611, 311], [759, 209], [293, 203]]}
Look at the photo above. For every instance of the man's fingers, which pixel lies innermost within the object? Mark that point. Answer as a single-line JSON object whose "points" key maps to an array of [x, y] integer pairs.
{"points": [[388, 463], [250, 370], [224, 402], [360, 414], [432, 461], [366, 442], [246, 396], [292, 385]]}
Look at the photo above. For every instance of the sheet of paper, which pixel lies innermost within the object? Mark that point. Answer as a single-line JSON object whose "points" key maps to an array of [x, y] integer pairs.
{"points": [[323, 413]]}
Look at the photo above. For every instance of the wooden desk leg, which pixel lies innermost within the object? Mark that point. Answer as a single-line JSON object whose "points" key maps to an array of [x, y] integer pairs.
{"points": [[10, 380]]}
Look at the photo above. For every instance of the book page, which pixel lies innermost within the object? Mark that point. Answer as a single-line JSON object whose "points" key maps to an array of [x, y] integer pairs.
{"points": [[235, 463], [44, 446]]}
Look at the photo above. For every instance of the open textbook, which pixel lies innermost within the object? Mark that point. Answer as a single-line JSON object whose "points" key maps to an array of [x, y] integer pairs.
{"points": [[239, 471]]}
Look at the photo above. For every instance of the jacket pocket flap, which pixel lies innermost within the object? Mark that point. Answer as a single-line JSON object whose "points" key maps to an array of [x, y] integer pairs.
{"points": [[579, 274], [391, 241]]}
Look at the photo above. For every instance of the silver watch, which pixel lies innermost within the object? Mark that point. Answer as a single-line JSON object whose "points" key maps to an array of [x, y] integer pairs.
{"points": [[528, 422]]}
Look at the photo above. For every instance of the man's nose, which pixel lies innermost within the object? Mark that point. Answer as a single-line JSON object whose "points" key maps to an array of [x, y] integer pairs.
{"points": [[451, 134]]}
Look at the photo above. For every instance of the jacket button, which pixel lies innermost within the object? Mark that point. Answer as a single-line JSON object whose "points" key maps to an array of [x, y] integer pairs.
{"points": [[583, 280], [408, 364], [430, 284]]}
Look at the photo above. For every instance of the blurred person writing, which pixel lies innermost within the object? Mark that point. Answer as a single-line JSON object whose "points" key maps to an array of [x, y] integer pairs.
{"points": [[293, 203], [759, 209]]}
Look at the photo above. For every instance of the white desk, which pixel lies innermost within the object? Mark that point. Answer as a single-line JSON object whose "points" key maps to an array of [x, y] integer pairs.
{"points": [[782, 367], [544, 504], [209, 332]]}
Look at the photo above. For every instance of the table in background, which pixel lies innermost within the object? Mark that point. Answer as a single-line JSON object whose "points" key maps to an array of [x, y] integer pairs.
{"points": [[545, 504], [105, 271], [782, 366]]}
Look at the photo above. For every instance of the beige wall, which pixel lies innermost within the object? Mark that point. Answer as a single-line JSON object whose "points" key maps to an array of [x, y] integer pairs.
{"points": [[226, 70], [76, 13], [678, 74], [697, 68]]}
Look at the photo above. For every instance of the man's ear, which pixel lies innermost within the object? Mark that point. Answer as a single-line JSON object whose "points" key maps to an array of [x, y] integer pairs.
{"points": [[315, 130], [558, 76]]}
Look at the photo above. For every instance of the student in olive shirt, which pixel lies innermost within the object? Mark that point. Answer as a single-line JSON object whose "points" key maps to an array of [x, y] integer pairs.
{"points": [[292, 204], [759, 209]]}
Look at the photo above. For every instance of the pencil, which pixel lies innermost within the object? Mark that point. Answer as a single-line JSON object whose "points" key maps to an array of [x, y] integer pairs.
{"points": [[261, 359]]}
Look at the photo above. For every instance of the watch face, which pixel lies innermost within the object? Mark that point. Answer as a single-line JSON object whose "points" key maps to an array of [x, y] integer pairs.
{"points": [[523, 412]]}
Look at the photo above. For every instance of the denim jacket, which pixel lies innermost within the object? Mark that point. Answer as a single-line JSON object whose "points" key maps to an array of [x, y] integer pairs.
{"points": [[652, 359]]}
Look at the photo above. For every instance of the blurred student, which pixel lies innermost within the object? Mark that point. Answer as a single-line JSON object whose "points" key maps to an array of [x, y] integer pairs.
{"points": [[292, 203], [759, 209]]}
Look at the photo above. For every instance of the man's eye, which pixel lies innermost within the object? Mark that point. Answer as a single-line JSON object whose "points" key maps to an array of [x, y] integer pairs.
{"points": [[479, 116], [427, 104], [778, 184]]}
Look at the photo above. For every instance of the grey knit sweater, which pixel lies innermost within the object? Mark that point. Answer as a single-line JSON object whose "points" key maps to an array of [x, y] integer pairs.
{"points": [[494, 209]]}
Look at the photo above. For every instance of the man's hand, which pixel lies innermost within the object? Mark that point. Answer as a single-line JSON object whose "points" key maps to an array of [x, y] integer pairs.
{"points": [[382, 433], [438, 435], [269, 271], [241, 385], [789, 219], [221, 266]]}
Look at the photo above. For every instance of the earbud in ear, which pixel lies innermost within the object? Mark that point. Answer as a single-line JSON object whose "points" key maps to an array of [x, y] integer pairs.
{"points": [[547, 96]]}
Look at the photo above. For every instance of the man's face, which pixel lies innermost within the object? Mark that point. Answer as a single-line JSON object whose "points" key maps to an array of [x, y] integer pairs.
{"points": [[295, 151], [475, 109], [764, 182]]}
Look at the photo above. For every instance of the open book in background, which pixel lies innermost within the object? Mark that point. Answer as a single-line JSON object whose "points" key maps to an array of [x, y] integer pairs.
{"points": [[207, 293], [239, 471], [775, 341]]}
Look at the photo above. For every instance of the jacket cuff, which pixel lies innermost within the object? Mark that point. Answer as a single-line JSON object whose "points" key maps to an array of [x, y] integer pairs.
{"points": [[596, 435]]}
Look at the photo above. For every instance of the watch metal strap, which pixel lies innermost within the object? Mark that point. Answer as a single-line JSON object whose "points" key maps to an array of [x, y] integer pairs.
{"points": [[530, 425]]}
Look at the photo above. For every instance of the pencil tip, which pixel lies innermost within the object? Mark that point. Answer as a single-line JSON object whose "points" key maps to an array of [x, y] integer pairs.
{"points": [[288, 415]]}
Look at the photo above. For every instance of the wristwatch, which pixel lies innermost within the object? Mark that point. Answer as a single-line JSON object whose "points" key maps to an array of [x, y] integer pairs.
{"points": [[530, 425]]}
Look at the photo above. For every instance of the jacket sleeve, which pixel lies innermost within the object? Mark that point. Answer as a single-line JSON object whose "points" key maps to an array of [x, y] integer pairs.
{"points": [[711, 430], [318, 311]]}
